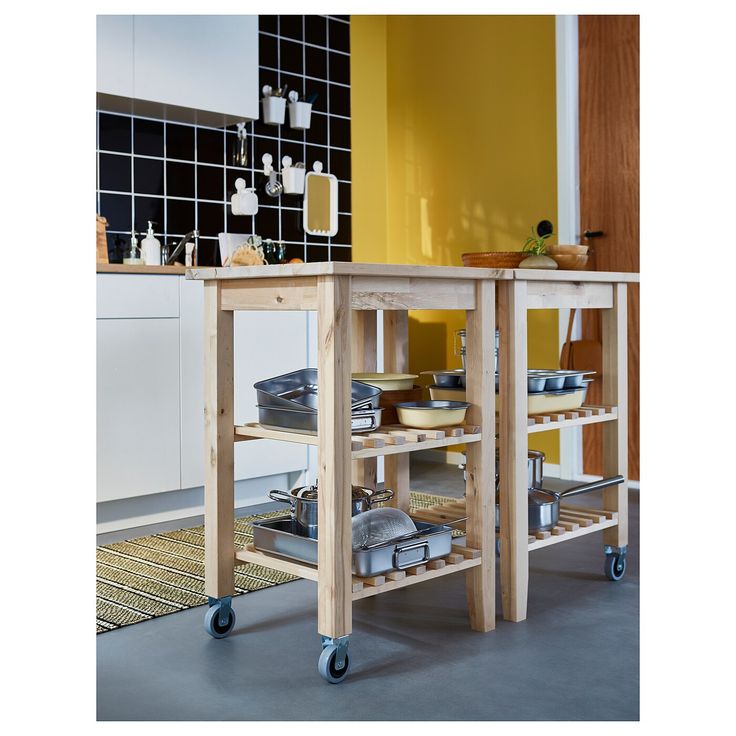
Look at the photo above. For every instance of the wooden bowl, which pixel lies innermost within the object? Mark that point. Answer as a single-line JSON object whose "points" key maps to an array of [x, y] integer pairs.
{"points": [[567, 250], [506, 259], [570, 263]]}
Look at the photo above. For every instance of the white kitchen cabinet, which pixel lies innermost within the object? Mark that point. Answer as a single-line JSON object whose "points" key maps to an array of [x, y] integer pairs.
{"points": [[193, 68], [265, 344], [138, 450], [115, 55]]}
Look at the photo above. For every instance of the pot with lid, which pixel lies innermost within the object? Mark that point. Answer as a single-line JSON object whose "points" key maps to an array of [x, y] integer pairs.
{"points": [[303, 502]]}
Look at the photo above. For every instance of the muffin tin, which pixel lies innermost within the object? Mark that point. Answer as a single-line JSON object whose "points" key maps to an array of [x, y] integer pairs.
{"points": [[539, 381]]}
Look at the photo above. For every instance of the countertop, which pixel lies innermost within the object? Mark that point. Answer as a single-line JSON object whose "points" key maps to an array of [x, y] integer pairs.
{"points": [[339, 268], [121, 268]]}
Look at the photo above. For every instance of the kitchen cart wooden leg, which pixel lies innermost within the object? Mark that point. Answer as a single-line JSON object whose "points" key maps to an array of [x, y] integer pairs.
{"points": [[334, 555], [480, 486], [396, 477], [615, 434], [513, 440], [396, 360], [396, 341], [364, 361], [219, 498]]}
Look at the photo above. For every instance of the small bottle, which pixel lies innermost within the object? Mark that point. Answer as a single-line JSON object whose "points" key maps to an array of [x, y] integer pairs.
{"points": [[133, 257], [151, 247]]}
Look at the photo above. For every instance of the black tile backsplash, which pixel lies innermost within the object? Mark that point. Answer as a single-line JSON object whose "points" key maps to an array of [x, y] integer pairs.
{"points": [[148, 175], [114, 133], [114, 172], [182, 176], [179, 179], [148, 137], [180, 142]]}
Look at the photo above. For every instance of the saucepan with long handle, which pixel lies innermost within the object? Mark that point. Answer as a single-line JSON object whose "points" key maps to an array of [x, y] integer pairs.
{"points": [[544, 504]]}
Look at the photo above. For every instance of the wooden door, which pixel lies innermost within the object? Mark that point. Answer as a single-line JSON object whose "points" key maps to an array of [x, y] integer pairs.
{"points": [[609, 187]]}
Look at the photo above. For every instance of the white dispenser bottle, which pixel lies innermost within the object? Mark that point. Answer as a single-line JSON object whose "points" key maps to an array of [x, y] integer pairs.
{"points": [[151, 248]]}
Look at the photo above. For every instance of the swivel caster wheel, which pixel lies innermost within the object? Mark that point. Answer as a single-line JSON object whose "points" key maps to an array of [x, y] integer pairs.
{"points": [[213, 624], [615, 566], [327, 665]]}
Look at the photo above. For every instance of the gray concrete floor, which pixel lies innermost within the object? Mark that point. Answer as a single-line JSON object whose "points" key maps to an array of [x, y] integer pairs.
{"points": [[413, 656]]}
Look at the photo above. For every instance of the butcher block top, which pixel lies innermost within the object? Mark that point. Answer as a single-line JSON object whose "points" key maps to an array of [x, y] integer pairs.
{"points": [[339, 268]]}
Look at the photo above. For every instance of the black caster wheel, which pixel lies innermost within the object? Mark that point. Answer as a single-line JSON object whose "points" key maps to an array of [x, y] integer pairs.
{"points": [[212, 623], [615, 567], [326, 665]]}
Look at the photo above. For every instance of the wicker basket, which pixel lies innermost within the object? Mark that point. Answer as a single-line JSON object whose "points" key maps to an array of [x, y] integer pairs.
{"points": [[507, 259]]}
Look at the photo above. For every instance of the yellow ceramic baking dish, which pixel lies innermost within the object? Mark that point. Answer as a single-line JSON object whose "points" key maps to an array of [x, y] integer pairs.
{"points": [[387, 381], [431, 414]]}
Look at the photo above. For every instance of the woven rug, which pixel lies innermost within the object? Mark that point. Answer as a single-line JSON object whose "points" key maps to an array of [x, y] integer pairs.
{"points": [[153, 576]]}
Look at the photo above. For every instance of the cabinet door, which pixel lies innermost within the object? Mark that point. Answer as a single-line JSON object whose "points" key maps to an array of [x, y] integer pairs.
{"points": [[266, 344], [204, 62], [115, 55], [137, 407]]}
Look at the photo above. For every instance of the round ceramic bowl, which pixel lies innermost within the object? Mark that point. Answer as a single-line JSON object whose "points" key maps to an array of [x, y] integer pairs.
{"points": [[431, 414], [387, 381]]}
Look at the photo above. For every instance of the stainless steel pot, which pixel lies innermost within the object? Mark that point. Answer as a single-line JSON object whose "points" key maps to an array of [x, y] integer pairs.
{"points": [[544, 505], [534, 469], [303, 503]]}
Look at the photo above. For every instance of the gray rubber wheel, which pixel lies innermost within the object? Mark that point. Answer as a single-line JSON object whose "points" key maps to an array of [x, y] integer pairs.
{"points": [[615, 567], [212, 624], [326, 665]]}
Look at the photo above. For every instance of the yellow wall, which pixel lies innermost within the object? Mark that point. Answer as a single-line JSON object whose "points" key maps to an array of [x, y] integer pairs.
{"points": [[453, 150]]}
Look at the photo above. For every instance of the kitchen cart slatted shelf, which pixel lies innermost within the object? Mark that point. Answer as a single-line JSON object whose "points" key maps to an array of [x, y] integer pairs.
{"points": [[574, 418], [461, 559], [346, 297], [389, 440], [574, 521]]}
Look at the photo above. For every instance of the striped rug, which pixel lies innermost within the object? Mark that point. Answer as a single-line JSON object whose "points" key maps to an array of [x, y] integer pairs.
{"points": [[148, 577]]}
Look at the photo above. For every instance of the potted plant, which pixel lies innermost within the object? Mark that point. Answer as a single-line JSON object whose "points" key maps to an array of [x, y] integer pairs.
{"points": [[536, 247]]}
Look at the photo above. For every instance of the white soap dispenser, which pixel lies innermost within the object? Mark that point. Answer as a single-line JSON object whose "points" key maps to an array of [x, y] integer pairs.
{"points": [[151, 248]]}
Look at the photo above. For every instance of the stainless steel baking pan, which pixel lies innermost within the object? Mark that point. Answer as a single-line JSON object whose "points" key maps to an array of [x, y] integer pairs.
{"points": [[298, 391], [278, 536], [400, 555], [451, 378], [366, 420]]}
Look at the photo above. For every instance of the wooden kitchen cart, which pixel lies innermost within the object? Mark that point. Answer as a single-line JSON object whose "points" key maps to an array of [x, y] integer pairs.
{"points": [[529, 289], [335, 291]]}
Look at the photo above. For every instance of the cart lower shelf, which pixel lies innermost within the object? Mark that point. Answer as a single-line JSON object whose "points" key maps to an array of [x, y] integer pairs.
{"points": [[461, 558], [574, 521]]}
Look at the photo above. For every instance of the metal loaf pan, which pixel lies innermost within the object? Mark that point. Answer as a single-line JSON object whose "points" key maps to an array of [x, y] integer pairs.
{"points": [[295, 420], [279, 536], [298, 391]]}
